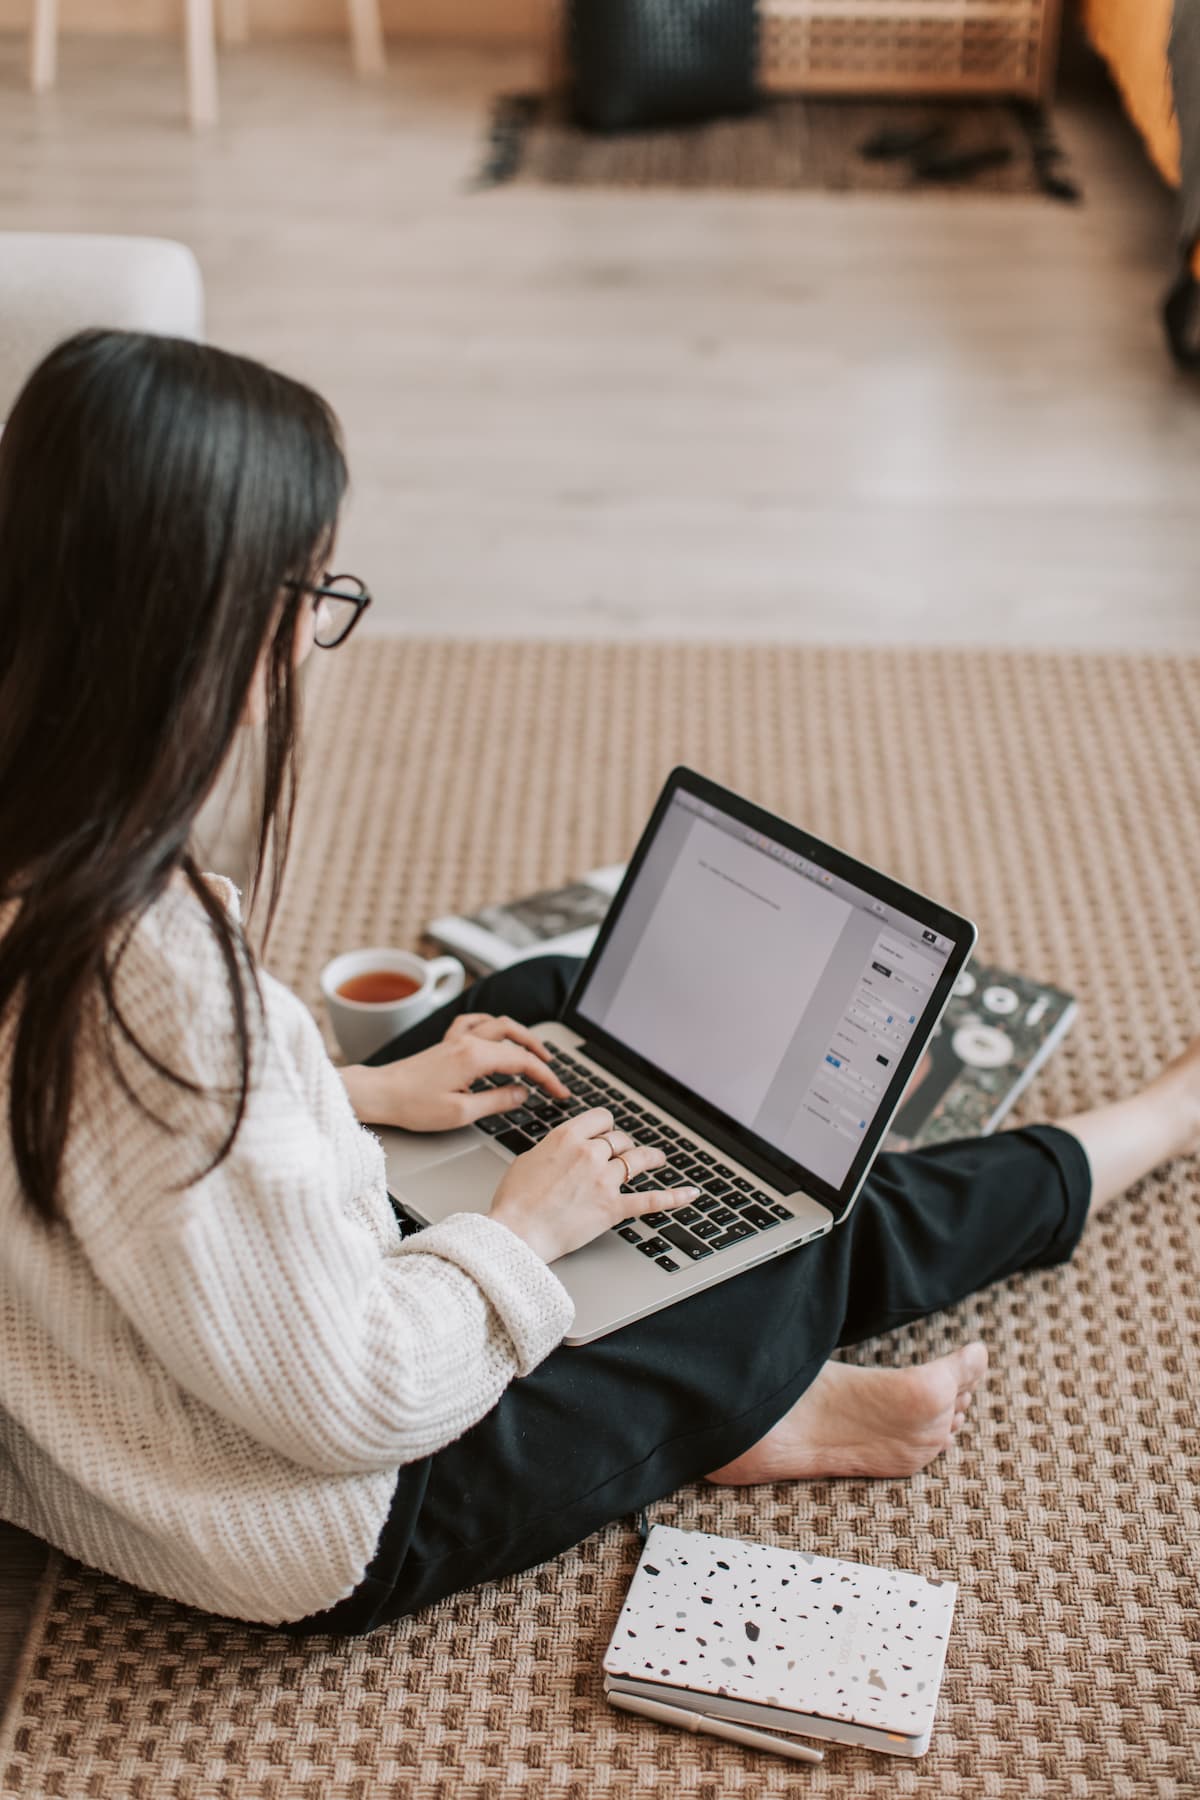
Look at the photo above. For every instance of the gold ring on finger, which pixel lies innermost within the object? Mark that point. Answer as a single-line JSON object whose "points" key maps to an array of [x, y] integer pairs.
{"points": [[618, 1157]]}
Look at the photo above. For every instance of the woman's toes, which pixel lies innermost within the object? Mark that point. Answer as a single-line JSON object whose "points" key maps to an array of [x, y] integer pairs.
{"points": [[973, 1362], [866, 1421]]}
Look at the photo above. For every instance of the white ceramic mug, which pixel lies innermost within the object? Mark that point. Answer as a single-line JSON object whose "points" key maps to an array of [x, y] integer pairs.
{"points": [[362, 1026]]}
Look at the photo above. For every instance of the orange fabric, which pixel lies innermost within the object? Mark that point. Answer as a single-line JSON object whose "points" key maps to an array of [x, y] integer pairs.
{"points": [[1131, 36]]}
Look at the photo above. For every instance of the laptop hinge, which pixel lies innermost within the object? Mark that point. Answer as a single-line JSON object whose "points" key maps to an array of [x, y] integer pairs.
{"points": [[705, 1127]]}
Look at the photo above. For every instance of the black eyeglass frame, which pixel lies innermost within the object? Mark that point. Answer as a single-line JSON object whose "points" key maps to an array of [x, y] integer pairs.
{"points": [[325, 590]]}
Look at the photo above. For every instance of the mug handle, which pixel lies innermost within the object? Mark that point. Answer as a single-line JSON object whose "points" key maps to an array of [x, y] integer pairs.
{"points": [[448, 978]]}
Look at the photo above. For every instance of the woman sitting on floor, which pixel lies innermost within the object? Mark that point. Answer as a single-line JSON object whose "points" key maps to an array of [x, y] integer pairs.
{"points": [[225, 1377]]}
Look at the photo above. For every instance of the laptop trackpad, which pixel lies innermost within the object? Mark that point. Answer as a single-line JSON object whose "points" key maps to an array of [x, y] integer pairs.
{"points": [[465, 1183]]}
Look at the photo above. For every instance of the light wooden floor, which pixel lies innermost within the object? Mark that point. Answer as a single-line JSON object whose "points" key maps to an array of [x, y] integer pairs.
{"points": [[772, 416], [809, 416]]}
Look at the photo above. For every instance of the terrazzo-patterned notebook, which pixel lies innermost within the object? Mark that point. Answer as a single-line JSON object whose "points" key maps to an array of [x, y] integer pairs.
{"points": [[794, 1642]]}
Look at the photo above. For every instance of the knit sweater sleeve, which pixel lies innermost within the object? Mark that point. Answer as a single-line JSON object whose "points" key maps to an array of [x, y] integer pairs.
{"points": [[283, 1303], [299, 1331]]}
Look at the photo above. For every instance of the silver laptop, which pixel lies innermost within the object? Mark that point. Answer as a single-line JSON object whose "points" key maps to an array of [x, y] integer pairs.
{"points": [[754, 1003]]}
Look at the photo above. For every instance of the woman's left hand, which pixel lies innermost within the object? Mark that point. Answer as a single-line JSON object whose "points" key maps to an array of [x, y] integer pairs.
{"points": [[431, 1091]]}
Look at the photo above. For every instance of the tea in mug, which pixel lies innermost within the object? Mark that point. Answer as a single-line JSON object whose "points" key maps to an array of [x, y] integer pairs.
{"points": [[379, 987]]}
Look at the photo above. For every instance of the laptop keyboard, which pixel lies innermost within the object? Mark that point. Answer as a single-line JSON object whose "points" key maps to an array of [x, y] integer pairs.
{"points": [[729, 1208]]}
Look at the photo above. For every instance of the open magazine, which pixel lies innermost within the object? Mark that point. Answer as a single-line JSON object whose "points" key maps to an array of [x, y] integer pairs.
{"points": [[994, 1036], [557, 922]]}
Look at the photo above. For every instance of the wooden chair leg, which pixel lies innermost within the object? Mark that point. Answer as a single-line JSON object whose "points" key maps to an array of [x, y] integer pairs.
{"points": [[366, 37], [234, 17], [43, 46], [555, 61], [1048, 50], [201, 62]]}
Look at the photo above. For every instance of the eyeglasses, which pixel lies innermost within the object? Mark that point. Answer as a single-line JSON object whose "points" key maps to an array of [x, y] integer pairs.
{"points": [[339, 602]]}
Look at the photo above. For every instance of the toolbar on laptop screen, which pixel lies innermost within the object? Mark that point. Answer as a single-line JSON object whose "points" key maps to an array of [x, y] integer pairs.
{"points": [[775, 990]]}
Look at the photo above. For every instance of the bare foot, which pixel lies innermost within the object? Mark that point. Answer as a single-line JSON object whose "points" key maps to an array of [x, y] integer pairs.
{"points": [[855, 1421]]}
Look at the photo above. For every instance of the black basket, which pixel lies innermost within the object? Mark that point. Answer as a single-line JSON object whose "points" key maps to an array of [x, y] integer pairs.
{"points": [[661, 62]]}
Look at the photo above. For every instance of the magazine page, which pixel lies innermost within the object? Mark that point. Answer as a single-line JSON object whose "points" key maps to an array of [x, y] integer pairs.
{"points": [[996, 1032], [556, 921]]}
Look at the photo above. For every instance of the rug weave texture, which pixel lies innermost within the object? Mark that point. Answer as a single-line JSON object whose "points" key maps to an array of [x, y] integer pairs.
{"points": [[1052, 798], [787, 144]]}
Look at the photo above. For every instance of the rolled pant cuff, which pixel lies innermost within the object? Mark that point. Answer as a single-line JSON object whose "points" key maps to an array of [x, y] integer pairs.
{"points": [[1075, 1172]]}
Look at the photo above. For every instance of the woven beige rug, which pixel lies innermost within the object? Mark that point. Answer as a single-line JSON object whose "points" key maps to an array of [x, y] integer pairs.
{"points": [[1055, 799]]}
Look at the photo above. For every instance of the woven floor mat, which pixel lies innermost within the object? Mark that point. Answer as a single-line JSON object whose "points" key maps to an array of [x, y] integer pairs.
{"points": [[977, 147], [1054, 798]]}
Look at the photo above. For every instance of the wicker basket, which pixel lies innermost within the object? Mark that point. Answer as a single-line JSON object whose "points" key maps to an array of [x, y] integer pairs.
{"points": [[890, 46], [909, 46]]}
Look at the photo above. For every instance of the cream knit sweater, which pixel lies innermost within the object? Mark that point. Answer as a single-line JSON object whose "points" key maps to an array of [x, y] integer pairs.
{"points": [[207, 1386]]}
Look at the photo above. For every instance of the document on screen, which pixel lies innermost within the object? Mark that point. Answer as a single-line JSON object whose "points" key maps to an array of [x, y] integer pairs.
{"points": [[724, 968]]}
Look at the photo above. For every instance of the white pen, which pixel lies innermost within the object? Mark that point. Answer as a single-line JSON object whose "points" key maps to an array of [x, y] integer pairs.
{"points": [[721, 1728]]}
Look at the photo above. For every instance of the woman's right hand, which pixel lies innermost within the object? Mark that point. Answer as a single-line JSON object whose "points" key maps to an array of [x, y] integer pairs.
{"points": [[567, 1189]]}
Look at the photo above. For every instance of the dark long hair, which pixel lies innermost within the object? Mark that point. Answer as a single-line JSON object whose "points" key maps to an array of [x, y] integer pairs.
{"points": [[156, 496]]}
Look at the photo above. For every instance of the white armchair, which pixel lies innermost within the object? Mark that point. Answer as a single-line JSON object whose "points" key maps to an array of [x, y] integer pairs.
{"points": [[53, 283]]}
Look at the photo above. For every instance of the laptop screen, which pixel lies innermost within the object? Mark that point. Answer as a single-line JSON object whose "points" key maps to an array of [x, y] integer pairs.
{"points": [[779, 991]]}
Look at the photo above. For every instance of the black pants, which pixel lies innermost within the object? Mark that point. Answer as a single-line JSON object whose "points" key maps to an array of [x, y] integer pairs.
{"points": [[598, 1431]]}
